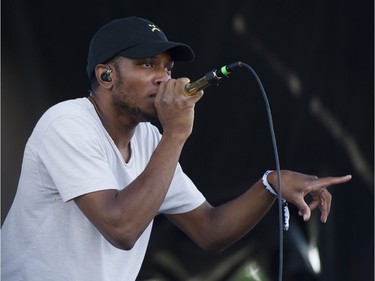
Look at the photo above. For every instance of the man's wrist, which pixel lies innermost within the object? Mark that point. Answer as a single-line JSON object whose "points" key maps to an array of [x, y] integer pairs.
{"points": [[285, 208], [267, 184]]}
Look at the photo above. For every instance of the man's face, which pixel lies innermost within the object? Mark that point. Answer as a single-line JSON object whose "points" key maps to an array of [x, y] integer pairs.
{"points": [[136, 84]]}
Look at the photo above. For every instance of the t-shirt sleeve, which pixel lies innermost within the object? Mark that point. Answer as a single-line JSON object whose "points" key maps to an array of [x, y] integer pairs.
{"points": [[183, 196], [74, 158]]}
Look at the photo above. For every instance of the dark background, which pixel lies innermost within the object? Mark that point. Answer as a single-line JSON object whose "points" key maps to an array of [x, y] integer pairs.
{"points": [[316, 62]]}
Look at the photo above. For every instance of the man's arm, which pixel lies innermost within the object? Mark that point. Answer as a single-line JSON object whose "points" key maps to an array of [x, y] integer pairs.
{"points": [[122, 216], [215, 228]]}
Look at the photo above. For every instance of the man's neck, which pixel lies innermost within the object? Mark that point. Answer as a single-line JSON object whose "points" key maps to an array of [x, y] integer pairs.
{"points": [[119, 128]]}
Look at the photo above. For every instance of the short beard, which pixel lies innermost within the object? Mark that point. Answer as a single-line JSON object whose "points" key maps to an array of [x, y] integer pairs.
{"points": [[122, 103]]}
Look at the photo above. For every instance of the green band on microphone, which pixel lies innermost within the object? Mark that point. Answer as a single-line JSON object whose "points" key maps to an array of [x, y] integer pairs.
{"points": [[224, 70]]}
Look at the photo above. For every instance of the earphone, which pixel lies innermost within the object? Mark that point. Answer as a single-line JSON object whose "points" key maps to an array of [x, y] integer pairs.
{"points": [[105, 75]]}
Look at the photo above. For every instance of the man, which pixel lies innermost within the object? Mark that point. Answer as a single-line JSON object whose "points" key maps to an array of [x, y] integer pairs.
{"points": [[95, 171]]}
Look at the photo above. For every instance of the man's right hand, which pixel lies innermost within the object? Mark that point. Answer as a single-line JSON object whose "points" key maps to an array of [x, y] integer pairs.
{"points": [[176, 110]]}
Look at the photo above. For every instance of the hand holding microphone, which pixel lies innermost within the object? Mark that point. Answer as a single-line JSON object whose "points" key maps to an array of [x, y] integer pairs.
{"points": [[191, 89]]}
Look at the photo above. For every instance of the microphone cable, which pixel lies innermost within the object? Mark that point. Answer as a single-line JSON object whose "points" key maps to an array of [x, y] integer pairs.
{"points": [[214, 77], [276, 155]]}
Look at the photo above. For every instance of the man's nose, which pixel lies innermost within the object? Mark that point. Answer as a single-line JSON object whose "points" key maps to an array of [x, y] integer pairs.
{"points": [[162, 76]]}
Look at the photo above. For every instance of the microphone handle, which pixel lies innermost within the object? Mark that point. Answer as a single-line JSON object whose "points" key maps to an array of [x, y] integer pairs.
{"points": [[210, 78], [202, 83]]}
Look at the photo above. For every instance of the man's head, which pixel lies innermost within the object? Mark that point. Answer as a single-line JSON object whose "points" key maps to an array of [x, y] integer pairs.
{"points": [[135, 38]]}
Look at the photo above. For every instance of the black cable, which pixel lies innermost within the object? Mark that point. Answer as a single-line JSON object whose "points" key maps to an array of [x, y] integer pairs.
{"points": [[214, 77], [276, 155]]}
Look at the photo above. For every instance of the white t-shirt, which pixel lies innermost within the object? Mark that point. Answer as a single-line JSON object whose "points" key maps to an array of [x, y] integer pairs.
{"points": [[45, 236]]}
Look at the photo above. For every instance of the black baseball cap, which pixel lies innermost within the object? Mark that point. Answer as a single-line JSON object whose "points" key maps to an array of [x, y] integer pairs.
{"points": [[132, 37]]}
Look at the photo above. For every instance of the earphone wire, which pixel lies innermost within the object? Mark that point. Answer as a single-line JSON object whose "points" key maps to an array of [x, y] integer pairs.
{"points": [[276, 155]]}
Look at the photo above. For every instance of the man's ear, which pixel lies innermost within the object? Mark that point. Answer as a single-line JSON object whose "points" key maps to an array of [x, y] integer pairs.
{"points": [[103, 75]]}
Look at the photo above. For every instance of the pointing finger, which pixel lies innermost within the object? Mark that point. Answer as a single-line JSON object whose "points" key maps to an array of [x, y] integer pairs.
{"points": [[327, 181]]}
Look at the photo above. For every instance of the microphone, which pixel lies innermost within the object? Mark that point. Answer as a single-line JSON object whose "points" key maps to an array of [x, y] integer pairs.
{"points": [[212, 77]]}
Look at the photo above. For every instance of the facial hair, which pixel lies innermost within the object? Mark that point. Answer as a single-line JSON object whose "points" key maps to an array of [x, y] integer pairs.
{"points": [[123, 102]]}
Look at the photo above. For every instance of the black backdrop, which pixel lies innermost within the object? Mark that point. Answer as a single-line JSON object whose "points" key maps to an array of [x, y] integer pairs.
{"points": [[315, 60]]}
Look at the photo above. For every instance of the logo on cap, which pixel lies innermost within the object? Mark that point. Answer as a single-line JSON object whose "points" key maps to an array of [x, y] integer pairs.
{"points": [[154, 27]]}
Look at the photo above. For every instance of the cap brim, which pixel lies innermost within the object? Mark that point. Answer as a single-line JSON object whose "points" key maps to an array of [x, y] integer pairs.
{"points": [[178, 51]]}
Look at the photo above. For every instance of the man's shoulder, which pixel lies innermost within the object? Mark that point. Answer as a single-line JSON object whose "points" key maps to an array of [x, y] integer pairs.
{"points": [[65, 114], [71, 106]]}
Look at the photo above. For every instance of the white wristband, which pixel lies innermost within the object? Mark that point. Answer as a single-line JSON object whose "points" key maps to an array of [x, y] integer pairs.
{"points": [[285, 208], [266, 184]]}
